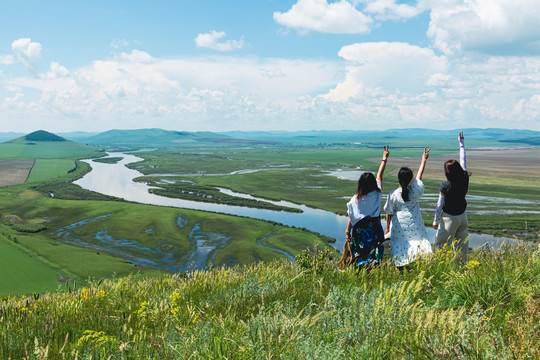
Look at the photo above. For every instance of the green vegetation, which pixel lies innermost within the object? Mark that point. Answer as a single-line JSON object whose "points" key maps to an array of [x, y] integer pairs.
{"points": [[22, 273], [190, 191], [488, 309], [45, 169], [137, 231], [298, 174], [42, 135], [47, 150], [108, 160]]}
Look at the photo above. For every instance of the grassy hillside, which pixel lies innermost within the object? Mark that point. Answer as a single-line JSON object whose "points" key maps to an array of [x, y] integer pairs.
{"points": [[21, 148], [51, 156], [487, 309]]}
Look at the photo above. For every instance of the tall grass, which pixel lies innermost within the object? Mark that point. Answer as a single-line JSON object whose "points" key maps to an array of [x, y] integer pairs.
{"points": [[306, 310]]}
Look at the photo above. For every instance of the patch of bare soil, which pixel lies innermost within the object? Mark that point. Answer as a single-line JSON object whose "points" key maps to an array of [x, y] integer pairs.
{"points": [[14, 171]]}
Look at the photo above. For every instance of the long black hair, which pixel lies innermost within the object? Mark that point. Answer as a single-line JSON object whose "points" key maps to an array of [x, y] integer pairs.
{"points": [[456, 176], [366, 184], [405, 176]]}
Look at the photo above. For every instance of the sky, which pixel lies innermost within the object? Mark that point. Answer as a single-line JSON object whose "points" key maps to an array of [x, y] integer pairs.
{"points": [[216, 65]]}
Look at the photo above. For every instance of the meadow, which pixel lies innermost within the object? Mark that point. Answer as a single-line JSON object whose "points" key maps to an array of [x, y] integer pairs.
{"points": [[487, 309], [299, 174], [122, 238], [149, 231]]}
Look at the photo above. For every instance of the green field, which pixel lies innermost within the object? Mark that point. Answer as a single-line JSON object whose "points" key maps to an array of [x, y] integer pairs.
{"points": [[22, 273], [45, 169], [48, 150]]}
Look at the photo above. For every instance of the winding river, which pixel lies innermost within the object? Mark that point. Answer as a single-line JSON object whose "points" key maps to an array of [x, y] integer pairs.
{"points": [[117, 180]]}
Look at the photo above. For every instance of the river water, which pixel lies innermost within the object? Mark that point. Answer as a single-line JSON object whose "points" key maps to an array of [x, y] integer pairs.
{"points": [[117, 180]]}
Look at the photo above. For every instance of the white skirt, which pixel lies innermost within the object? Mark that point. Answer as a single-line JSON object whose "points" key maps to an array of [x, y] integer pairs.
{"points": [[405, 252]]}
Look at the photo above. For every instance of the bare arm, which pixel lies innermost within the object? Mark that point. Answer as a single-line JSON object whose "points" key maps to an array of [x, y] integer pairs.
{"points": [[388, 221], [462, 155], [380, 173], [425, 156], [348, 231]]}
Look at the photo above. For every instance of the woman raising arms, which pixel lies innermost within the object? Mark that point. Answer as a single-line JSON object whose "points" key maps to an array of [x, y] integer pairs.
{"points": [[364, 231], [451, 206], [408, 236]]}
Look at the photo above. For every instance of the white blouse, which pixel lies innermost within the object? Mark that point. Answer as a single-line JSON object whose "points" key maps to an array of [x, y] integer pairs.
{"points": [[367, 205]]}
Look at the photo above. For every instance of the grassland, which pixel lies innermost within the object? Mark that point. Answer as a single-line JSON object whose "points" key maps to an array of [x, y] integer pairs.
{"points": [[154, 230], [297, 174], [45, 169], [488, 309], [22, 273]]}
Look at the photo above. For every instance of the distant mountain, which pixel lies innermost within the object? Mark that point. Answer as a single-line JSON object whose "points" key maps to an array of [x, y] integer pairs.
{"points": [[160, 137], [9, 136], [42, 135], [78, 136], [525, 137]]}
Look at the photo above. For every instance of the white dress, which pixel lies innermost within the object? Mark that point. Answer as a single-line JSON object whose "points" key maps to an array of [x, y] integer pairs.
{"points": [[408, 236]]}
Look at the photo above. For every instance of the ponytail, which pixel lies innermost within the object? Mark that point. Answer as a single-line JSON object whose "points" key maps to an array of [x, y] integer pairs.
{"points": [[405, 176]]}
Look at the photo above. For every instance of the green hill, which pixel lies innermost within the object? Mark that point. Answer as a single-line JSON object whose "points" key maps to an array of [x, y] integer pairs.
{"points": [[148, 137], [160, 137], [45, 145], [281, 310], [42, 135]]}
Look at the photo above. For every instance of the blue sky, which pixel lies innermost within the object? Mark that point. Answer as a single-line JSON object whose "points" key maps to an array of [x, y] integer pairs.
{"points": [[269, 65]]}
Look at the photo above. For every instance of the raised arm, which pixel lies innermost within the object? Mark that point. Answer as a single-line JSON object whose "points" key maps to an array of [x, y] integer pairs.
{"points": [[438, 211], [425, 156], [380, 173], [462, 155]]}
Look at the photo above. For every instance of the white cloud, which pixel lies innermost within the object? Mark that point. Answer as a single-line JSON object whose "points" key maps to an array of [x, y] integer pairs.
{"points": [[391, 66], [29, 53], [502, 27], [135, 90], [212, 39], [339, 17], [7, 59], [120, 43], [391, 10], [57, 71], [400, 85]]}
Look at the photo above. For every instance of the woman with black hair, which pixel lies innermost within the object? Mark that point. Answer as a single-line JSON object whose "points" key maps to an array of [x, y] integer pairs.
{"points": [[408, 236], [453, 227], [364, 233]]}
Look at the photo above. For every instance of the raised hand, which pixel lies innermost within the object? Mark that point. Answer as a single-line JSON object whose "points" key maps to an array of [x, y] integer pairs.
{"points": [[386, 152], [425, 155], [461, 135]]}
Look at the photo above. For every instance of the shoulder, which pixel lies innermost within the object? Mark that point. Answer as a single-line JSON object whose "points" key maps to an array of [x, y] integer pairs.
{"points": [[417, 183]]}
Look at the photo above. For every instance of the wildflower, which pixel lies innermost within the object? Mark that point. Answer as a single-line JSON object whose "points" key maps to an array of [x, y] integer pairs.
{"points": [[141, 313], [95, 338], [175, 297], [472, 264], [100, 294], [85, 293]]}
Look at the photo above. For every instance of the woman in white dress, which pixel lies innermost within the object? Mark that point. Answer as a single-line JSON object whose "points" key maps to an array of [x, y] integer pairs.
{"points": [[408, 236]]}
